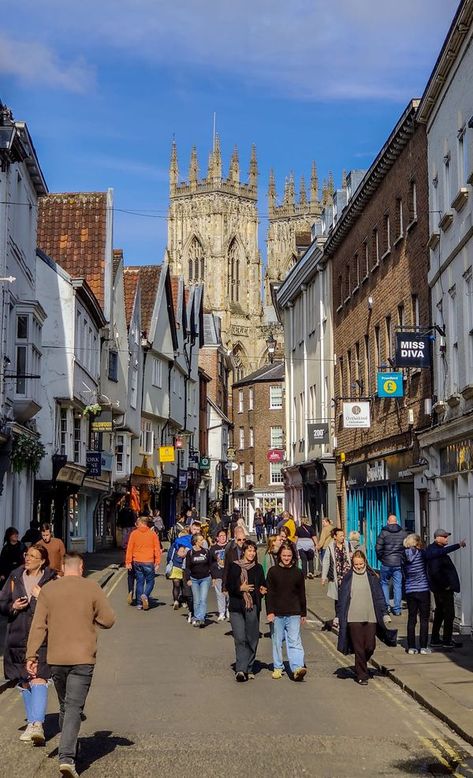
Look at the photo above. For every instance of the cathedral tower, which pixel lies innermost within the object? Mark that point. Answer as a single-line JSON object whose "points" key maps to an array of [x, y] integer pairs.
{"points": [[213, 239], [290, 225]]}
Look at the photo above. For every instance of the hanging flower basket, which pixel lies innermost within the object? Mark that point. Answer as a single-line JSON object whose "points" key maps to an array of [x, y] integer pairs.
{"points": [[92, 410], [27, 453]]}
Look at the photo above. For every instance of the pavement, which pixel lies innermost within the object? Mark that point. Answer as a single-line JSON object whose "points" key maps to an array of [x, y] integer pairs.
{"points": [[164, 702], [442, 681]]}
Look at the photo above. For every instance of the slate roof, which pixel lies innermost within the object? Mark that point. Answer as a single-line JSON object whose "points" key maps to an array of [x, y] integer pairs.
{"points": [[72, 231], [271, 372], [131, 277]]}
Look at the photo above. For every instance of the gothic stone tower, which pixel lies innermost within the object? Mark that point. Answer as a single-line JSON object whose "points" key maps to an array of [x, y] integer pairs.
{"points": [[290, 224], [213, 239]]}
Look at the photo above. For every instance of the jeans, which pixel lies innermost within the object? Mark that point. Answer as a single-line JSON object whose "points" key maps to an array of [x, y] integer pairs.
{"points": [[222, 601], [287, 628], [72, 684], [200, 592], [144, 574], [395, 573], [35, 700], [259, 532], [363, 638], [444, 612], [307, 559], [418, 603], [245, 628]]}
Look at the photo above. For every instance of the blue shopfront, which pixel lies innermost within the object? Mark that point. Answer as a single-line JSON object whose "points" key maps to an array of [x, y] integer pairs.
{"points": [[374, 489]]}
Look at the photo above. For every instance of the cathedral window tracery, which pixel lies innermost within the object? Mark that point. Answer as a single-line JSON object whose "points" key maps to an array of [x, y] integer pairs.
{"points": [[234, 272], [196, 261]]}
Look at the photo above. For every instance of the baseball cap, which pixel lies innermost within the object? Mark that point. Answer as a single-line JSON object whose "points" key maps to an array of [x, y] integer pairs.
{"points": [[441, 533]]}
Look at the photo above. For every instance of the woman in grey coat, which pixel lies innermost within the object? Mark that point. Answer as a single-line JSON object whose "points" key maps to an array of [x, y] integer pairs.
{"points": [[336, 562]]}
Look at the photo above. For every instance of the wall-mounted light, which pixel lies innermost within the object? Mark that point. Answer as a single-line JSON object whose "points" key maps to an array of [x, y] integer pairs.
{"points": [[370, 303]]}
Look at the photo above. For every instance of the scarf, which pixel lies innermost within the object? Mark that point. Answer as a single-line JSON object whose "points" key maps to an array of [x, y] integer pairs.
{"points": [[245, 566]]}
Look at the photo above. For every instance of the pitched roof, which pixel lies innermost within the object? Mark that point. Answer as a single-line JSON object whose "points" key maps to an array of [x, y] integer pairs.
{"points": [[117, 258], [149, 276], [271, 372], [72, 231], [131, 277]]}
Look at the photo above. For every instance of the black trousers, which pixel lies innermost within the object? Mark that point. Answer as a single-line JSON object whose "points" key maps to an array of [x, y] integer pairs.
{"points": [[444, 613], [418, 603], [245, 628], [363, 638], [307, 559]]}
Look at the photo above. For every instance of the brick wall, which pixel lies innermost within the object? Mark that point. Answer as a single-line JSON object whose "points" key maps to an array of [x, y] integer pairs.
{"points": [[260, 419], [397, 283]]}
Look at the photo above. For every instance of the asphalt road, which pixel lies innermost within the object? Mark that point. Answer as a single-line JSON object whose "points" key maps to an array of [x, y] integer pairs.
{"points": [[164, 702]]}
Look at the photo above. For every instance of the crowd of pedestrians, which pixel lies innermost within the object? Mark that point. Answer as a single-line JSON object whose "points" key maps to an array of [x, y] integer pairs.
{"points": [[53, 612]]}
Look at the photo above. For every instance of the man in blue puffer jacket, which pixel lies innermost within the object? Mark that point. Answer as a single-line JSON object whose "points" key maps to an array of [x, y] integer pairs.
{"points": [[389, 551]]}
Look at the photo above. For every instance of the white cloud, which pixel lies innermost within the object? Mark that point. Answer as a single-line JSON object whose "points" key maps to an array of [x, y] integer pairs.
{"points": [[305, 49], [33, 62]]}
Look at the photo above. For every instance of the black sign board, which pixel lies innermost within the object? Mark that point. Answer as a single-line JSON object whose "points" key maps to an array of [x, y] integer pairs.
{"points": [[413, 349], [318, 433], [93, 460]]}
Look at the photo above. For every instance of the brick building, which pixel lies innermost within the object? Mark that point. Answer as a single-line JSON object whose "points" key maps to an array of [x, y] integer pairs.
{"points": [[379, 255], [259, 421]]}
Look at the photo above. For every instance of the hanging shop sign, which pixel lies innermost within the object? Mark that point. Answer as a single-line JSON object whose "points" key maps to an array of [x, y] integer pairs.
{"points": [[356, 415], [390, 384], [204, 463], [318, 433], [166, 454], [178, 442], [275, 455], [231, 466], [413, 349], [102, 422], [182, 480], [93, 461], [230, 454]]}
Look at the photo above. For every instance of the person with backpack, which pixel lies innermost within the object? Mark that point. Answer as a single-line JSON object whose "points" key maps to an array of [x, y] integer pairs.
{"points": [[306, 546]]}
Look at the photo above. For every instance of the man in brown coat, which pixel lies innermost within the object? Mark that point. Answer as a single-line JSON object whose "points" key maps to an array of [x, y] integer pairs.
{"points": [[68, 611]]}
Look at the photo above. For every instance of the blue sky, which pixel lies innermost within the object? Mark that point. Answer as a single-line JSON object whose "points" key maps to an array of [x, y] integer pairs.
{"points": [[104, 85]]}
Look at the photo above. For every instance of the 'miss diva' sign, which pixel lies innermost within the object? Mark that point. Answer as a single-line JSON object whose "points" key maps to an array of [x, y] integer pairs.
{"points": [[413, 349]]}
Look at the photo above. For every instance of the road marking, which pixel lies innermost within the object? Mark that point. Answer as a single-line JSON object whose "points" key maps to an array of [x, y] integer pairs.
{"points": [[325, 641], [116, 582]]}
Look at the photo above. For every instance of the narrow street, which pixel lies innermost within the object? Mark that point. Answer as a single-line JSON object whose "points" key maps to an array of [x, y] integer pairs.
{"points": [[164, 702]]}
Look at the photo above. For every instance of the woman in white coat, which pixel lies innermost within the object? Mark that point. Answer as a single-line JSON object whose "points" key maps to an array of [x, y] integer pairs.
{"points": [[336, 562]]}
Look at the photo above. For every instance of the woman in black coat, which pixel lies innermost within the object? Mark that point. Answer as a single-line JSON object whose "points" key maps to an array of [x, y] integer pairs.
{"points": [[363, 614], [11, 555], [18, 602], [246, 586]]}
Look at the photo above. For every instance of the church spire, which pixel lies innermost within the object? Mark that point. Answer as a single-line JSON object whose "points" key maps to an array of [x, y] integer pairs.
{"points": [[217, 159], [344, 179], [271, 191], [173, 169], [253, 177], [314, 185], [193, 167], [235, 167], [302, 192], [289, 193]]}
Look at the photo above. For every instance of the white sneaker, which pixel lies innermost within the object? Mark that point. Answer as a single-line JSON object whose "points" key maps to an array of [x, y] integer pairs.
{"points": [[189, 619], [335, 623], [413, 651], [37, 734], [26, 735], [221, 617], [426, 651], [68, 770], [176, 605]]}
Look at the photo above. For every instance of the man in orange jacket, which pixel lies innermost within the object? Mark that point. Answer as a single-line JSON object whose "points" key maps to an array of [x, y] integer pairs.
{"points": [[143, 554]]}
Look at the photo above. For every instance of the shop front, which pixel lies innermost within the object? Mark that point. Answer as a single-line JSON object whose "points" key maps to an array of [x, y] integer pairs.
{"points": [[374, 489], [448, 474]]}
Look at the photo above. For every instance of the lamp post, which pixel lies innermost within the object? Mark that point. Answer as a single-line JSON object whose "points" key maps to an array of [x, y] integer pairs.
{"points": [[271, 343]]}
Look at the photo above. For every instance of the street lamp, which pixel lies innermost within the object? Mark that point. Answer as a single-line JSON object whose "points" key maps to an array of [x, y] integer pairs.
{"points": [[271, 343]]}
